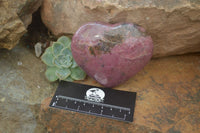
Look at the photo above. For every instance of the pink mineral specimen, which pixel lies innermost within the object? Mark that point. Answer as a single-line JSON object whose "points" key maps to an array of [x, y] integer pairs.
{"points": [[111, 53]]}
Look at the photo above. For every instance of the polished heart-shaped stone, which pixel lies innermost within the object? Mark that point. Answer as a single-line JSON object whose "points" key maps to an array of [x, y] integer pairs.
{"points": [[111, 53]]}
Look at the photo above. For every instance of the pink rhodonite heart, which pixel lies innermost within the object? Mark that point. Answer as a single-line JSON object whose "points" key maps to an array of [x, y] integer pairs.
{"points": [[111, 54]]}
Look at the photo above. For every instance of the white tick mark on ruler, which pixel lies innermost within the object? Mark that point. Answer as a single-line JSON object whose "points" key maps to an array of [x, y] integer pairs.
{"points": [[124, 116], [53, 104], [101, 112]]}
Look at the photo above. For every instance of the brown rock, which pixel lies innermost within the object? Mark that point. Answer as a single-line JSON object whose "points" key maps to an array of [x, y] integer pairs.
{"points": [[168, 100], [173, 25], [15, 16]]}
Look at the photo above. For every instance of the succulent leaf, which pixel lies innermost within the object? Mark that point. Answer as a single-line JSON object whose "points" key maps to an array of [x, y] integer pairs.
{"points": [[63, 61], [77, 73], [47, 57], [57, 47], [66, 52], [50, 74], [63, 73], [69, 79], [65, 41], [74, 64]]}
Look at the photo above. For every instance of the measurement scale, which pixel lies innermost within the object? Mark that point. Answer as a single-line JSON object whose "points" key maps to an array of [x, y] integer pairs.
{"points": [[92, 100]]}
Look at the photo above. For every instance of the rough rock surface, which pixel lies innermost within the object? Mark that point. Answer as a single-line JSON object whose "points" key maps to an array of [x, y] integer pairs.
{"points": [[168, 101], [173, 25], [22, 88], [15, 16]]}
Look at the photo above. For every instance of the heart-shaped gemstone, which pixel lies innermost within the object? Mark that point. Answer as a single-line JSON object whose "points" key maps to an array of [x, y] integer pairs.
{"points": [[111, 54]]}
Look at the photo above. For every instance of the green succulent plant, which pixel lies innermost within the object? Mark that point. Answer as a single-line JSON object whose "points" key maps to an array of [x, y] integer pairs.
{"points": [[60, 63]]}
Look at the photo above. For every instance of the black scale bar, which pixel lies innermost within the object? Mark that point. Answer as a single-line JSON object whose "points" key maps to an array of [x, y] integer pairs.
{"points": [[115, 104]]}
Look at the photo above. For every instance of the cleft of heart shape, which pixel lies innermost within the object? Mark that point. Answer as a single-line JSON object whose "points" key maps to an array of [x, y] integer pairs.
{"points": [[111, 53]]}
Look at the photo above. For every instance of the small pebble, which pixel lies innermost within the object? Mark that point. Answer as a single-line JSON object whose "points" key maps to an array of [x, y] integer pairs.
{"points": [[38, 49], [19, 63], [3, 99]]}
